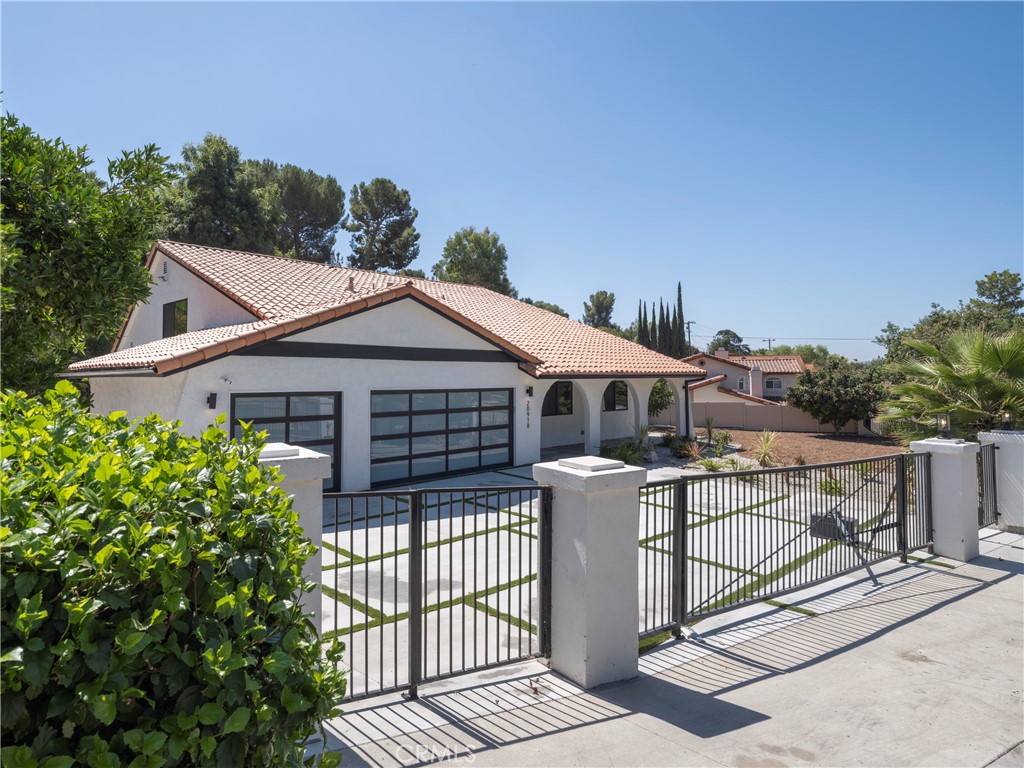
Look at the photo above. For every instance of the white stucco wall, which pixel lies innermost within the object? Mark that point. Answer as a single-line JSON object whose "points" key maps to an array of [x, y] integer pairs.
{"points": [[405, 323], [207, 307]]}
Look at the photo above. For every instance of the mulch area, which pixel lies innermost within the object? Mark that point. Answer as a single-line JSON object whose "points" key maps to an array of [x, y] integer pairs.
{"points": [[817, 447]]}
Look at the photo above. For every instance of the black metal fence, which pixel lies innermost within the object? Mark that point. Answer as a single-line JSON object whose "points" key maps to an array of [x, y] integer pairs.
{"points": [[425, 584], [988, 510], [709, 543]]}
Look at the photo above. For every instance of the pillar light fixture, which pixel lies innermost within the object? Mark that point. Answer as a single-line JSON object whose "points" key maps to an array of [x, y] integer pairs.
{"points": [[1006, 418], [942, 422]]}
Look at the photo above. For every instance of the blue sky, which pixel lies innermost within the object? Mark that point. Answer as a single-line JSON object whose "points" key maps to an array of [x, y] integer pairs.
{"points": [[809, 171]]}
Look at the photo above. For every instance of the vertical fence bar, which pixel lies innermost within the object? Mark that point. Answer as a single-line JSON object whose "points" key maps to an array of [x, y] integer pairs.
{"points": [[415, 594], [544, 568], [901, 506]]}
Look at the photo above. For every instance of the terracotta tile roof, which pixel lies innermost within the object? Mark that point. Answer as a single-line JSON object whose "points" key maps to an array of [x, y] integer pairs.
{"points": [[742, 396], [708, 382], [772, 363], [767, 363], [288, 294]]}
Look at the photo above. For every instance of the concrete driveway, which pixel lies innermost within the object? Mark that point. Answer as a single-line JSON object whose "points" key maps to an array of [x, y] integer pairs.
{"points": [[899, 665]]}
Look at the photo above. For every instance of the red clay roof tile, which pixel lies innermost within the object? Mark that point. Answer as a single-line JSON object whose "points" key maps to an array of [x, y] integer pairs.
{"points": [[282, 291]]}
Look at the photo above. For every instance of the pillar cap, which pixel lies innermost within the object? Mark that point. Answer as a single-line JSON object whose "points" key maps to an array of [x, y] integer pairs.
{"points": [[570, 478], [943, 445]]}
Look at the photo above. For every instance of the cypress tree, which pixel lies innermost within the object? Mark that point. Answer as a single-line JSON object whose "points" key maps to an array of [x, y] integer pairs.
{"points": [[663, 334], [681, 349], [641, 325], [652, 328]]}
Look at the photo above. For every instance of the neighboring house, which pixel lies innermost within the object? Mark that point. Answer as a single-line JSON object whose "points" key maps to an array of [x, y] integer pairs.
{"points": [[765, 377], [398, 379]]}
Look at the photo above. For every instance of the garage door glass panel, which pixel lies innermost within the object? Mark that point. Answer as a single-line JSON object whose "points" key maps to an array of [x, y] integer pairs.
{"points": [[461, 440], [389, 449], [259, 407], [493, 418], [428, 401], [462, 461], [431, 465], [389, 403], [312, 406], [435, 422], [389, 425], [428, 444], [463, 400], [312, 430], [494, 398], [306, 419], [389, 472], [466, 420], [448, 431]]}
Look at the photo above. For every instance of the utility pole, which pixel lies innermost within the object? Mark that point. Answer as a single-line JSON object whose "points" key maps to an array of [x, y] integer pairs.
{"points": [[689, 333], [769, 343]]}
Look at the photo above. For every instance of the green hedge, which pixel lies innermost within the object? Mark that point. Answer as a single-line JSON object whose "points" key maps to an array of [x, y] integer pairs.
{"points": [[149, 611]]}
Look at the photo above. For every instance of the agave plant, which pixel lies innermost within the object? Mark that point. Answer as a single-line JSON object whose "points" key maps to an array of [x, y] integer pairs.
{"points": [[973, 378], [764, 450]]}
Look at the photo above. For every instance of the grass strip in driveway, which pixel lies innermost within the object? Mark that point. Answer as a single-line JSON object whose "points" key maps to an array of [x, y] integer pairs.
{"points": [[472, 600], [354, 559]]}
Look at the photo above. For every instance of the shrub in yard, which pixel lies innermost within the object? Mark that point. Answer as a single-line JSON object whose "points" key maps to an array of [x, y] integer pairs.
{"points": [[764, 449], [149, 597], [711, 465], [832, 486]]}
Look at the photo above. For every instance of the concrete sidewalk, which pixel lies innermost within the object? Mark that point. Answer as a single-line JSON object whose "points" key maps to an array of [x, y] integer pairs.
{"points": [[919, 664]]}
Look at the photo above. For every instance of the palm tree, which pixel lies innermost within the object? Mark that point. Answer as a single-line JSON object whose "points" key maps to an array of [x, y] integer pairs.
{"points": [[973, 378]]}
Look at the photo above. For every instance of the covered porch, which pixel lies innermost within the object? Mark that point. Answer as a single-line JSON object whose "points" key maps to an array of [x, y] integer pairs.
{"points": [[579, 413]]}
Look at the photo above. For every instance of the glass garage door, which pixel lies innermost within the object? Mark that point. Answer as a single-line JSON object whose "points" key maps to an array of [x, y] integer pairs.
{"points": [[431, 433], [309, 419]]}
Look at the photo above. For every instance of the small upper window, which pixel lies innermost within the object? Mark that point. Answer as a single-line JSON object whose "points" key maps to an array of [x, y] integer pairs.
{"points": [[175, 317], [773, 382], [558, 400], [616, 397], [742, 384]]}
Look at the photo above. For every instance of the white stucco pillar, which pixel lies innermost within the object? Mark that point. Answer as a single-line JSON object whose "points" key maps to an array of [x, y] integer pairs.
{"points": [[1009, 477], [594, 597], [593, 391], [642, 392], [682, 412], [954, 496], [303, 472]]}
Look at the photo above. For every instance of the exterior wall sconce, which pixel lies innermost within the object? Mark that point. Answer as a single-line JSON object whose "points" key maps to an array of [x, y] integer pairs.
{"points": [[211, 400], [942, 421], [529, 391], [1006, 418]]}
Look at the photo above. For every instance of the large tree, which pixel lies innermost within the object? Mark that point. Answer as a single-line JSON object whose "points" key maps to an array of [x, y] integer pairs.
{"points": [[997, 308], [811, 353], [973, 377], [547, 305], [475, 258], [730, 340], [381, 219], [837, 392], [220, 200], [73, 247], [597, 312], [311, 207]]}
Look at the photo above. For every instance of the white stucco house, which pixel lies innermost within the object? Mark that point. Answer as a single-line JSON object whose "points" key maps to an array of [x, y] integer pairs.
{"points": [[761, 377], [397, 379]]}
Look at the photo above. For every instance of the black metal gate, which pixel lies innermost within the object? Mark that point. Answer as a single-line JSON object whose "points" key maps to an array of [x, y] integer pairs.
{"points": [[988, 510], [426, 584], [710, 543]]}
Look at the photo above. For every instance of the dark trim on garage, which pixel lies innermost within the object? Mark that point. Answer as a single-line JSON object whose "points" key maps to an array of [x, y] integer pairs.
{"points": [[313, 349]]}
